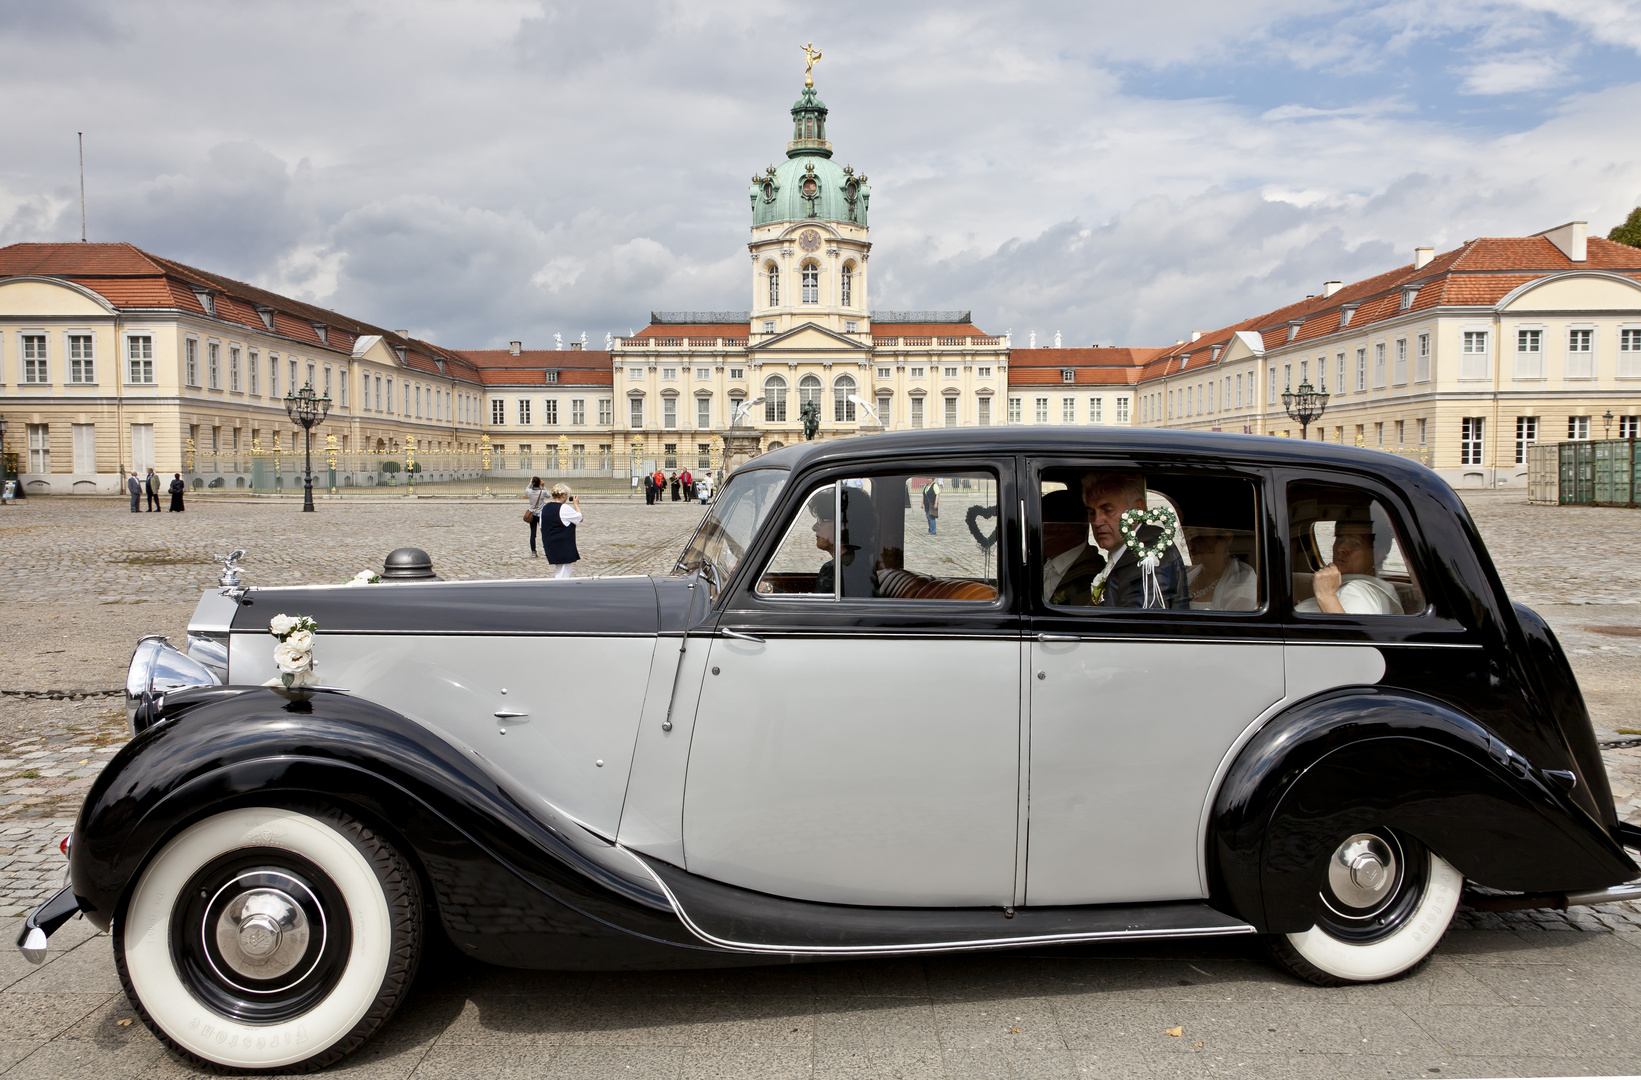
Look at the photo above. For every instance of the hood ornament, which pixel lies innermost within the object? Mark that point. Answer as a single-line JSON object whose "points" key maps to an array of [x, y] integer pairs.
{"points": [[232, 576]]}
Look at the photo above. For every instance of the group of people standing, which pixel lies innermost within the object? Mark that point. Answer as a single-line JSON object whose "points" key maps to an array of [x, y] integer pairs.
{"points": [[684, 487], [137, 487], [556, 513]]}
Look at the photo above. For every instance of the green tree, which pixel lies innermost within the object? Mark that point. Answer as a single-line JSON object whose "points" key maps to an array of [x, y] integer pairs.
{"points": [[1629, 232]]}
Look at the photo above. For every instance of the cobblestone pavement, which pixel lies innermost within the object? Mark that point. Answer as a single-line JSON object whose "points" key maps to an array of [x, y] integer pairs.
{"points": [[1526, 993]]}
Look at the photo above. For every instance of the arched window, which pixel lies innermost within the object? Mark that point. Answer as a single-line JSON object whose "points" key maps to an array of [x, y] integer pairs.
{"points": [[846, 285], [774, 284], [774, 400], [809, 389], [843, 410], [811, 283]]}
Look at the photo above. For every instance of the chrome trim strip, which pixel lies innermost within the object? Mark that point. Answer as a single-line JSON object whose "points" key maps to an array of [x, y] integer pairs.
{"points": [[936, 946], [253, 632]]}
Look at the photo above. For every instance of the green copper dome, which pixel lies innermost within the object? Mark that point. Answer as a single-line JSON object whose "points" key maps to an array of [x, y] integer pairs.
{"points": [[809, 185]]}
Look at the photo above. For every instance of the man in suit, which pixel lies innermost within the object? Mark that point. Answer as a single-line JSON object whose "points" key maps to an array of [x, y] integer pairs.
{"points": [[151, 484], [1107, 496], [133, 487], [1070, 562]]}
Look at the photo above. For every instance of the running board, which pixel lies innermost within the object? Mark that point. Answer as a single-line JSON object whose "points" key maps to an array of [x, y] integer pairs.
{"points": [[747, 921]]}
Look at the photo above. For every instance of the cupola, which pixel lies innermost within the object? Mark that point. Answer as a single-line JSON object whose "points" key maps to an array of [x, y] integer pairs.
{"points": [[809, 126]]}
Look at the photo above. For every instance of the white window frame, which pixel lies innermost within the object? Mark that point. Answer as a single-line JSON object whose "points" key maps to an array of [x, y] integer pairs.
{"points": [[82, 370], [1122, 408], [1472, 439], [1629, 351], [142, 342], [1014, 410], [635, 412], [1379, 365], [1039, 411], [578, 412], [703, 413], [523, 408], [1398, 370], [34, 370], [1475, 359], [1421, 359], [1529, 363], [606, 412], [498, 408], [549, 412], [1590, 362], [1526, 435]]}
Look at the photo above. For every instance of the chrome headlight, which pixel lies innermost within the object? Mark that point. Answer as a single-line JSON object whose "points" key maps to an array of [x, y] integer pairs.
{"points": [[158, 668]]}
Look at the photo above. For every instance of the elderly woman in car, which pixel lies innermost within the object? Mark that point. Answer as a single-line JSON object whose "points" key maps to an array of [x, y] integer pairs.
{"points": [[1350, 585]]}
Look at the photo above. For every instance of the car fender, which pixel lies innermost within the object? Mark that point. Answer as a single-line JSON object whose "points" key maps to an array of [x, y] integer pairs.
{"points": [[1368, 757], [485, 847]]}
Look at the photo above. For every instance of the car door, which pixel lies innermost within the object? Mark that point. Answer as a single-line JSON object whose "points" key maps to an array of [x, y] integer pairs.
{"points": [[1133, 710], [861, 744]]}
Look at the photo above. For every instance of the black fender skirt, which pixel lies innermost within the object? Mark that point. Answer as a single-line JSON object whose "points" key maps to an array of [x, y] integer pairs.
{"points": [[510, 888], [1367, 757]]}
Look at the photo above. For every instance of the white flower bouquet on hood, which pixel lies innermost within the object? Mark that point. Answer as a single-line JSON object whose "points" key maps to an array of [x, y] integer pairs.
{"points": [[293, 656]]}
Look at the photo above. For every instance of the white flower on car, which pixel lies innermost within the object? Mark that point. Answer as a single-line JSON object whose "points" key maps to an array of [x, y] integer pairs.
{"points": [[291, 660], [280, 625], [299, 640], [365, 577], [293, 656]]}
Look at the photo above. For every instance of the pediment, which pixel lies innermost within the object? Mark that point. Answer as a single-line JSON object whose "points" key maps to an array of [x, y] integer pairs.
{"points": [[808, 337]]}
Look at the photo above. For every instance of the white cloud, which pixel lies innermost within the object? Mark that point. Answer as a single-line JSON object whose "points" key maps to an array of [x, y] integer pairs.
{"points": [[1513, 74]]}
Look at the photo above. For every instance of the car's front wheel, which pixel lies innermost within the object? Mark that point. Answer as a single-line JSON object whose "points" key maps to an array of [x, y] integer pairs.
{"points": [[267, 938], [1383, 902]]}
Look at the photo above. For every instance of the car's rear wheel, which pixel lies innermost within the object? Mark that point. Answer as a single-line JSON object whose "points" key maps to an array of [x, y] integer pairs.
{"points": [[270, 939], [1383, 901]]}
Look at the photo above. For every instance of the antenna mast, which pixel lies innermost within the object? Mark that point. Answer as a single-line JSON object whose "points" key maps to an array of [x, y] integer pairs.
{"points": [[82, 186]]}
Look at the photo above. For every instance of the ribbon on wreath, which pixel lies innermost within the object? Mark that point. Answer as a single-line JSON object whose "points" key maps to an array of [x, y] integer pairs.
{"points": [[1149, 554]]}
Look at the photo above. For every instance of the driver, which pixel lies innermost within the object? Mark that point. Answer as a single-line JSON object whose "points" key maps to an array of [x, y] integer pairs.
{"points": [[858, 541]]}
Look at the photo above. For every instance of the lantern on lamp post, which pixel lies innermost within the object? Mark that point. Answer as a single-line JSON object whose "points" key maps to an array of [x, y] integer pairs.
{"points": [[307, 410], [1305, 405]]}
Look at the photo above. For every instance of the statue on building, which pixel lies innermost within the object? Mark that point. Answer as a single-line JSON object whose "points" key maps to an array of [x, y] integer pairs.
{"points": [[810, 415]]}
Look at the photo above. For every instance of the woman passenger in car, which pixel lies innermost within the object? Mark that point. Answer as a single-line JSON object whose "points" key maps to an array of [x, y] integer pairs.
{"points": [[859, 541], [1350, 585], [1218, 580]]}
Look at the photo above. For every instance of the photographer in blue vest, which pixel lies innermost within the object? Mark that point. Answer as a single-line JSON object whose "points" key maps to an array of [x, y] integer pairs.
{"points": [[558, 522]]}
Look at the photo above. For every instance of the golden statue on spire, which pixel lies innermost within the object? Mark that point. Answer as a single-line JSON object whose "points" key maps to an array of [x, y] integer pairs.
{"points": [[811, 54]]}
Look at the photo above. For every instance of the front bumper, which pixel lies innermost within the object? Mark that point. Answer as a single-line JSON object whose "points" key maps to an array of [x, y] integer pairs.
{"points": [[46, 920]]}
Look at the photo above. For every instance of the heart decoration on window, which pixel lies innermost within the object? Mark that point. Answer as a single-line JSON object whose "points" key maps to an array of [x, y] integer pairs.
{"points": [[975, 513], [1132, 521]]}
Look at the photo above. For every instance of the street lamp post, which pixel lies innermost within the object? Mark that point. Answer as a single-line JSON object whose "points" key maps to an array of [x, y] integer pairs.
{"points": [[1607, 423], [1305, 405], [309, 411]]}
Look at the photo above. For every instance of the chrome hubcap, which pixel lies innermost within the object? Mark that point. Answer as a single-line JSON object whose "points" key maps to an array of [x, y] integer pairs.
{"points": [[263, 932], [1362, 874]]}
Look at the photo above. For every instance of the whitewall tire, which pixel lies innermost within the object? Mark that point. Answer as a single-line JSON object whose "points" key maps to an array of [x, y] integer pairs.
{"points": [[270, 939], [1383, 904]]}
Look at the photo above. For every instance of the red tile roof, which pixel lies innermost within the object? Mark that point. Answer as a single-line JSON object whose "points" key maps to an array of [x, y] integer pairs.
{"points": [[938, 330], [694, 330]]}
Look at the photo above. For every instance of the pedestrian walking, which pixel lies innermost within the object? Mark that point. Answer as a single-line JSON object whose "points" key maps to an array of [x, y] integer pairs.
{"points": [[688, 481], [703, 487], [931, 504], [133, 487], [535, 497], [151, 484], [177, 488], [649, 490], [558, 521]]}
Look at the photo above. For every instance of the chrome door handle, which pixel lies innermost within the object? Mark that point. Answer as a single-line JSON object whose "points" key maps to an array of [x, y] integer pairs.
{"points": [[1058, 637], [508, 714], [736, 634]]}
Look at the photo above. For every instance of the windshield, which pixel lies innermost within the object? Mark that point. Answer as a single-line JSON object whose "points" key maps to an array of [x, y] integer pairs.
{"points": [[735, 517]]}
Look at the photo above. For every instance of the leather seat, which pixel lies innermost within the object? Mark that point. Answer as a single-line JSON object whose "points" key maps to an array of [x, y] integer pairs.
{"points": [[908, 585]]}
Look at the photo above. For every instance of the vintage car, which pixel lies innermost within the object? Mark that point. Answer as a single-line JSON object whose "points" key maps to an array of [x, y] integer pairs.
{"points": [[894, 698]]}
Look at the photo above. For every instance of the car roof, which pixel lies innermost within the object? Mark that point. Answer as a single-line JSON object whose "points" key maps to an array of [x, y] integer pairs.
{"points": [[1071, 439]]}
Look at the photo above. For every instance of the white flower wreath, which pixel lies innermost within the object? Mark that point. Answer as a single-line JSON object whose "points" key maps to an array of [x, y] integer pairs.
{"points": [[1132, 521]]}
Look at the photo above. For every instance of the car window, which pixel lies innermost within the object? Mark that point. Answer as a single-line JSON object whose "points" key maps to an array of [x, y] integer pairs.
{"points": [[733, 521], [892, 536], [1348, 554], [1212, 564]]}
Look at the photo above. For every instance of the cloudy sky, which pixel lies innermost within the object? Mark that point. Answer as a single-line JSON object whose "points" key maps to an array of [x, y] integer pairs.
{"points": [[1120, 172]]}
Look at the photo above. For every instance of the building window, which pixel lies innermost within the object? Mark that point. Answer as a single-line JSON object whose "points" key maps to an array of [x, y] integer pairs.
{"points": [[1339, 377], [736, 373], [1041, 413], [347, 377], [190, 369], [950, 373], [293, 386], [1096, 410], [1361, 369], [39, 448], [310, 373], [669, 413], [1400, 429], [1422, 432], [1581, 354], [774, 400], [982, 372], [1122, 409], [1629, 427], [885, 373], [774, 273], [917, 373], [1578, 428], [635, 373], [669, 455], [851, 326], [843, 406], [606, 412], [635, 413], [917, 412], [1526, 435], [1068, 410], [251, 381], [1473, 355], [703, 374], [1068, 375], [846, 290], [951, 412], [213, 365], [1239, 391], [1629, 354], [1379, 434], [1014, 410], [233, 370], [811, 283], [549, 412], [273, 367], [578, 412], [1379, 365], [1270, 386], [1530, 354], [139, 351], [1421, 363], [703, 413], [982, 412], [1470, 441], [1399, 372], [769, 326], [498, 408], [1321, 374], [669, 374]]}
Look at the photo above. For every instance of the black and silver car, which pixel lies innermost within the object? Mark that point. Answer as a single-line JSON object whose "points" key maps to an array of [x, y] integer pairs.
{"points": [[901, 694]]}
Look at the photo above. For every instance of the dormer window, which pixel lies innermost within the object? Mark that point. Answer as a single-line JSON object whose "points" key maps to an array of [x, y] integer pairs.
{"points": [[1408, 295], [323, 331], [1345, 314], [552, 376], [400, 349], [1068, 375], [207, 299]]}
